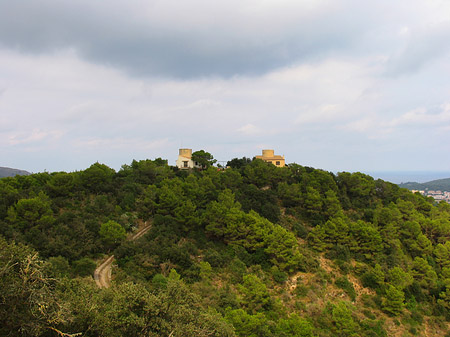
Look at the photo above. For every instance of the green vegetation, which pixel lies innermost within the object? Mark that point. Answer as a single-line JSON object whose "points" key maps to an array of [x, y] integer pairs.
{"points": [[434, 185], [253, 250]]}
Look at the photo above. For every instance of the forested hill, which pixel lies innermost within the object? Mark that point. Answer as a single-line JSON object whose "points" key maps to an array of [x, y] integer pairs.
{"points": [[434, 185], [10, 172], [252, 250]]}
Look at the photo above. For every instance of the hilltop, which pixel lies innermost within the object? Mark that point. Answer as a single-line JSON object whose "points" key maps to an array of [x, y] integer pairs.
{"points": [[10, 172], [435, 185], [253, 250]]}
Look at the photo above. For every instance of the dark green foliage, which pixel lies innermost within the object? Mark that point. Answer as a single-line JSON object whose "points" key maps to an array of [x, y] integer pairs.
{"points": [[347, 286], [59, 267], [28, 303], [373, 328], [237, 163], [256, 297], [84, 267], [263, 201], [248, 325], [246, 239], [394, 301], [131, 310], [356, 189], [216, 258], [294, 326], [112, 232], [203, 158], [436, 185], [97, 178], [373, 278], [278, 275]]}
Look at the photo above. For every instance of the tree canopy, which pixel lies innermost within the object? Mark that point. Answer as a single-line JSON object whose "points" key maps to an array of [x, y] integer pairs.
{"points": [[251, 250]]}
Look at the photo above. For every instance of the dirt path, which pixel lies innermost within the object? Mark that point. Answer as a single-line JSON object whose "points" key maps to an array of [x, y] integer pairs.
{"points": [[102, 275]]}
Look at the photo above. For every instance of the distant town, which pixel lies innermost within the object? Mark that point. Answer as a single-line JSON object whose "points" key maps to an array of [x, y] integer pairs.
{"points": [[436, 195]]}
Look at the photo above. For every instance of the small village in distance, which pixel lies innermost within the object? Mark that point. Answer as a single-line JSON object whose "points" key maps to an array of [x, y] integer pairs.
{"points": [[436, 195]]}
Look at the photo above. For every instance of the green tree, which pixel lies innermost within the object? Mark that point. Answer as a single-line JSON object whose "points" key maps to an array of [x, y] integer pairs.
{"points": [[365, 239], [294, 326], [332, 204], [281, 247], [97, 178], [84, 266], [28, 213], [424, 273], [259, 173], [202, 158], [146, 203], [344, 324], [60, 184], [399, 278], [357, 188], [28, 303], [374, 277], [313, 204], [32, 218], [256, 296], [59, 266], [112, 232], [444, 296], [238, 163], [222, 213], [393, 303], [248, 325], [442, 253], [8, 196]]}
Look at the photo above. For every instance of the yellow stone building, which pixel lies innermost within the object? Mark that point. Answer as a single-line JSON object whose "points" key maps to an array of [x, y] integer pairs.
{"points": [[184, 161], [269, 157]]}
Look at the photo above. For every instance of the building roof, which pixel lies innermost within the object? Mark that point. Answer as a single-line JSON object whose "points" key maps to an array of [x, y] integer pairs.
{"points": [[276, 157]]}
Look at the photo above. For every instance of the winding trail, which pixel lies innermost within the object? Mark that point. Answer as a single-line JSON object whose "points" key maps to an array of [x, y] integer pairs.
{"points": [[102, 275]]}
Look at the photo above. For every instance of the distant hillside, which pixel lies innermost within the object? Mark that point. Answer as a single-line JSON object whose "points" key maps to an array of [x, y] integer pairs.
{"points": [[439, 184], [10, 172]]}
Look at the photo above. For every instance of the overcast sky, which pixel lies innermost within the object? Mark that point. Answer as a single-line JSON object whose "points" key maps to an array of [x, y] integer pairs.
{"points": [[343, 85]]}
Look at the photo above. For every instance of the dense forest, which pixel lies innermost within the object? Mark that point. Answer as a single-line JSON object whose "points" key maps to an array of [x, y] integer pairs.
{"points": [[251, 250]]}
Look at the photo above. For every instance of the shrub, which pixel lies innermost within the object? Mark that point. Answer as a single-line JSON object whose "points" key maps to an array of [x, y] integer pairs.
{"points": [[347, 286]]}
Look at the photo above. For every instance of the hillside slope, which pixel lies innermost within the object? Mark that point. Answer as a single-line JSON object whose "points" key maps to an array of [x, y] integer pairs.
{"points": [[435, 185], [10, 172], [253, 250]]}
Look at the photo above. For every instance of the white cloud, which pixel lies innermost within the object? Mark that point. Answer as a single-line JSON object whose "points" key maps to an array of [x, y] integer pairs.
{"points": [[119, 144], [422, 117], [307, 78], [33, 137], [250, 130]]}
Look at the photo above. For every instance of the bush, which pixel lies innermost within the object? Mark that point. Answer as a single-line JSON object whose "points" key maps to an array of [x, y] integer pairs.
{"points": [[214, 258], [278, 275], [301, 290], [159, 281], [347, 286], [84, 267]]}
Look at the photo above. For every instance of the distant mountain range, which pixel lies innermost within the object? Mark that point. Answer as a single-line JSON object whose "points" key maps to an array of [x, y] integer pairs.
{"points": [[434, 185], [10, 172]]}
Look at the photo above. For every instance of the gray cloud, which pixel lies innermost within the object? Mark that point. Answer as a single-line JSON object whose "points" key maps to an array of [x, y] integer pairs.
{"points": [[422, 48], [345, 85], [222, 41]]}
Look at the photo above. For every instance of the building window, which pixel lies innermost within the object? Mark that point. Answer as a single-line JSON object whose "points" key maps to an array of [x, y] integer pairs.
{"points": [[185, 163], [278, 163]]}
